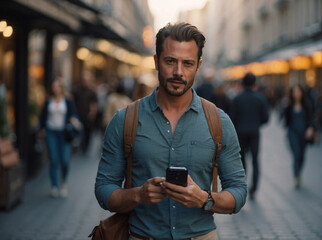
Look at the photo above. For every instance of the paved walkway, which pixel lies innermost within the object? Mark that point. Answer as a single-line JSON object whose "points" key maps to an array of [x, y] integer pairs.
{"points": [[279, 211], [40, 217]]}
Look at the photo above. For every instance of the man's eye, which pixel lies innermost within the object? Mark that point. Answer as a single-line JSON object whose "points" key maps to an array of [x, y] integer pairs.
{"points": [[188, 64], [169, 61]]}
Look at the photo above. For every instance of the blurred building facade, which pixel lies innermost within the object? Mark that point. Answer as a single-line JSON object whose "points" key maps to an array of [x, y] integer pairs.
{"points": [[43, 39], [280, 41]]}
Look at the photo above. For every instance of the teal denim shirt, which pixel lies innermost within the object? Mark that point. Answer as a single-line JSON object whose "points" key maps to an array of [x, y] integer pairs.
{"points": [[155, 149]]}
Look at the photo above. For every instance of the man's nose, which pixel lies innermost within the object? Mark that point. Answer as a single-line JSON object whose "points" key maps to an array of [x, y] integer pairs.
{"points": [[178, 70]]}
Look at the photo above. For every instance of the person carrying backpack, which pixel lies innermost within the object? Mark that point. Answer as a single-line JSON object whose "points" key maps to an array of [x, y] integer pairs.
{"points": [[173, 130]]}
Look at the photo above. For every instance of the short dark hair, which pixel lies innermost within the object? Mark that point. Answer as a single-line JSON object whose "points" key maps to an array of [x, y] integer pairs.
{"points": [[249, 80], [182, 32]]}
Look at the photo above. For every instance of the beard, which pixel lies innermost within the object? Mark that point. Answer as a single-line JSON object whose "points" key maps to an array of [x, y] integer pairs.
{"points": [[174, 92]]}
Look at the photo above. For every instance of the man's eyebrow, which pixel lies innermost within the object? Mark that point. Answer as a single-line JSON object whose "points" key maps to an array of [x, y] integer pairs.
{"points": [[169, 57], [192, 61]]}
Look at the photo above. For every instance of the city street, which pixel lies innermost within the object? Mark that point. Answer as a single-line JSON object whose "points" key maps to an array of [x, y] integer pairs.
{"points": [[279, 211]]}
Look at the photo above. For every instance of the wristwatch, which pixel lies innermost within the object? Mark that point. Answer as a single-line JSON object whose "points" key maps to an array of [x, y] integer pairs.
{"points": [[209, 203]]}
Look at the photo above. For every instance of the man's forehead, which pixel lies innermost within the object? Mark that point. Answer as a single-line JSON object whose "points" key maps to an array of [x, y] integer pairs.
{"points": [[174, 47]]}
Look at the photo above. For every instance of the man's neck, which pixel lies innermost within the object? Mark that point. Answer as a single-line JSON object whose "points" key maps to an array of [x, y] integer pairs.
{"points": [[173, 103]]}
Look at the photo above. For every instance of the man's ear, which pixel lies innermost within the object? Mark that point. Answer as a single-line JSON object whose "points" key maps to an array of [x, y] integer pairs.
{"points": [[199, 64], [156, 62]]}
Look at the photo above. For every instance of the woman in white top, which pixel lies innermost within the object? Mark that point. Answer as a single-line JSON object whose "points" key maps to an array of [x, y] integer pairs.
{"points": [[57, 112]]}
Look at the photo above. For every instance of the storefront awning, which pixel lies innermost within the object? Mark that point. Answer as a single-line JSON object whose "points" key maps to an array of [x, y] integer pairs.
{"points": [[52, 10], [302, 49], [71, 17]]}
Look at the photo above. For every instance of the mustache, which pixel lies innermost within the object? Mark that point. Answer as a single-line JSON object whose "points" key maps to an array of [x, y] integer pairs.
{"points": [[179, 79]]}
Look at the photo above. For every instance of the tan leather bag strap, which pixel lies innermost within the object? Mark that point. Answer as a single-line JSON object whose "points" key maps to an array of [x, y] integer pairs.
{"points": [[129, 132], [214, 124]]}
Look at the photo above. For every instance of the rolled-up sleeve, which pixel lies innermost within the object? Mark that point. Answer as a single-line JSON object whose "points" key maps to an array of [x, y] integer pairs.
{"points": [[112, 165], [230, 169]]}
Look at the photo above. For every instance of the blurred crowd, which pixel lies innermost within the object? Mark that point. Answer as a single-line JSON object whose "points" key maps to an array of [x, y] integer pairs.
{"points": [[222, 94], [249, 103], [96, 102]]}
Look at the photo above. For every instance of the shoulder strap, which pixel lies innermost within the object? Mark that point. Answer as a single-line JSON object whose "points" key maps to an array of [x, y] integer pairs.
{"points": [[129, 132], [214, 124]]}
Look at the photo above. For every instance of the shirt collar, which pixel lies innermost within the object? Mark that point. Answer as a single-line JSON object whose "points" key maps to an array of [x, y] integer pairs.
{"points": [[195, 104]]}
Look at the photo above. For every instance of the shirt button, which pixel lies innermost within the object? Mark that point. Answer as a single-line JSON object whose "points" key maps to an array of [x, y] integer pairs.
{"points": [[174, 206], [168, 122], [173, 228], [172, 149], [168, 131]]}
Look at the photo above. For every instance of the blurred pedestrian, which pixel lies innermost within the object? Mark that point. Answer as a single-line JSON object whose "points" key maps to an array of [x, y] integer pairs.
{"points": [[172, 130], [319, 117], [249, 110], [87, 107], [298, 117], [57, 112], [115, 102], [102, 94], [206, 88], [220, 98], [144, 86]]}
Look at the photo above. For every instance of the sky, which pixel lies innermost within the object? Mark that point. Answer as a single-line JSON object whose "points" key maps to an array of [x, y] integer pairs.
{"points": [[165, 11]]}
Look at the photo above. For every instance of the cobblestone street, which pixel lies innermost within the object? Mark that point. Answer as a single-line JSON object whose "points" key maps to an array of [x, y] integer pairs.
{"points": [[278, 212]]}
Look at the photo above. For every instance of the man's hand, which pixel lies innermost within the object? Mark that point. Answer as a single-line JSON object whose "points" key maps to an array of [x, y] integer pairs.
{"points": [[152, 192], [190, 196], [124, 200]]}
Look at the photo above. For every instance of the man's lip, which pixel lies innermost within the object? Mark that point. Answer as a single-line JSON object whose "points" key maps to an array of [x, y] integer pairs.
{"points": [[177, 81]]}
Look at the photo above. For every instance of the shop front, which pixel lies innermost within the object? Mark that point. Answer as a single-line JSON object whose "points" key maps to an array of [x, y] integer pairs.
{"points": [[39, 40]]}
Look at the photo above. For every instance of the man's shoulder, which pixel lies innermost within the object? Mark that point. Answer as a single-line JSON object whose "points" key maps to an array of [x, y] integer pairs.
{"points": [[223, 115]]}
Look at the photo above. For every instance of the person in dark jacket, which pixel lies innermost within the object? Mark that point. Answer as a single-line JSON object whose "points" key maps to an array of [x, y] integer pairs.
{"points": [[87, 107], [249, 111], [206, 89], [57, 112], [298, 117]]}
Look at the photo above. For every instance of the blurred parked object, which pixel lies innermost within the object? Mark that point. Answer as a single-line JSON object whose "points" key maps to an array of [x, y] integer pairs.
{"points": [[4, 123], [11, 175]]}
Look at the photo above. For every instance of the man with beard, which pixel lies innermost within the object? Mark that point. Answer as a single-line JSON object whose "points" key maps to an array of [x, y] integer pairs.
{"points": [[172, 131]]}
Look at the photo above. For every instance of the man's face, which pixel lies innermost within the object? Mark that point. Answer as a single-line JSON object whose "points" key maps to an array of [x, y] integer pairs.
{"points": [[177, 65]]}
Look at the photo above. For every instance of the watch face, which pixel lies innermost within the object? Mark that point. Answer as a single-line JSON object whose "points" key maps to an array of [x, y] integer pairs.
{"points": [[208, 205]]}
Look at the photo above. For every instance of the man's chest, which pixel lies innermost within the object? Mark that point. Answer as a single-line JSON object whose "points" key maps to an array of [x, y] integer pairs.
{"points": [[156, 148]]}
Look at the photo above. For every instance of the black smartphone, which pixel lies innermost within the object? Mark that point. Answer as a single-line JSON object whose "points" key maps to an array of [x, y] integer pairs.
{"points": [[177, 175]]}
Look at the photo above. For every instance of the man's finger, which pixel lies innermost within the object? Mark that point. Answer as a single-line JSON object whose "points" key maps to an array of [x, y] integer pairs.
{"points": [[157, 180]]}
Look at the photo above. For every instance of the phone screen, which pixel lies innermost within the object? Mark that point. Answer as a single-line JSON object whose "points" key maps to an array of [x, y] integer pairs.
{"points": [[177, 175]]}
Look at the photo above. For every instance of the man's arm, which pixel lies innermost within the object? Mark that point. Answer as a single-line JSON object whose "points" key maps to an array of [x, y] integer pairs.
{"points": [[193, 196], [230, 170], [124, 200], [111, 173], [232, 175]]}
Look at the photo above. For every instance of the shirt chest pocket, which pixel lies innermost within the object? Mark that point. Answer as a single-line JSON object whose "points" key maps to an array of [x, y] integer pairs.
{"points": [[201, 154]]}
